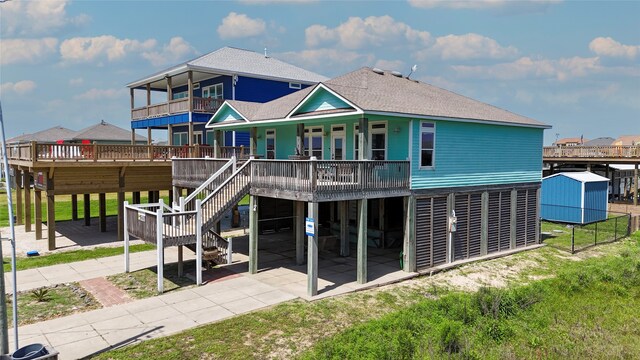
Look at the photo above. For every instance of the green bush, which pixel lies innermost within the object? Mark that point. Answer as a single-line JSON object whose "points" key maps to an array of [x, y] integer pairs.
{"points": [[450, 334]]}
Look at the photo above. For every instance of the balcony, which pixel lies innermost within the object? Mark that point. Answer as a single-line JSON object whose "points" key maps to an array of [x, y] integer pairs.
{"points": [[611, 153], [178, 106]]}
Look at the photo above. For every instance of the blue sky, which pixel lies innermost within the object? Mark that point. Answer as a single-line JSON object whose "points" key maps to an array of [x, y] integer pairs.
{"points": [[574, 65]]}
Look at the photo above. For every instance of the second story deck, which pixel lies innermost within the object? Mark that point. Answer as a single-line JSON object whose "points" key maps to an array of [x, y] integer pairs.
{"points": [[629, 154]]}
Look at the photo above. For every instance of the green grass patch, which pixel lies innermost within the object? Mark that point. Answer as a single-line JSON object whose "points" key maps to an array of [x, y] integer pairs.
{"points": [[51, 302], [585, 235], [144, 283], [71, 256]]}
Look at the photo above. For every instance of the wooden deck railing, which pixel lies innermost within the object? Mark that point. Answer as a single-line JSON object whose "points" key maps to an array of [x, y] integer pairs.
{"points": [[240, 152], [613, 152], [201, 105], [33, 152], [187, 172]]}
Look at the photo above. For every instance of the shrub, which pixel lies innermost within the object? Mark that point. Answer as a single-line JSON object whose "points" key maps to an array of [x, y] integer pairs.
{"points": [[449, 335], [41, 294]]}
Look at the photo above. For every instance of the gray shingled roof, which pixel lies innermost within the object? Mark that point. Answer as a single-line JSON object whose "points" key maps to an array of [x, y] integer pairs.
{"points": [[243, 62], [50, 135], [103, 131], [386, 93], [601, 141]]}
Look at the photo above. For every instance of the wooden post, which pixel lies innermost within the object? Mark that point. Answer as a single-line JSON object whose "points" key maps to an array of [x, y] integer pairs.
{"points": [[538, 240], [74, 207], [198, 242], [18, 178], [132, 97], [190, 137], [300, 139], [253, 234], [38, 212], [409, 248], [102, 205], [362, 241], [312, 252], [150, 197], [635, 185], [121, 224], [170, 135], [363, 139], [51, 221], [126, 240], [344, 228], [148, 96], [299, 229], [135, 197], [87, 209], [484, 223], [589, 167], [26, 181], [513, 223], [149, 140], [382, 221], [180, 261], [160, 251], [133, 136], [217, 144], [254, 141], [169, 89], [190, 89]]}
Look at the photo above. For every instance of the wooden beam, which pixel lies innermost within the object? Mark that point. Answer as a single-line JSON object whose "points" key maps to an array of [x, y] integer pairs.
{"points": [[19, 209], [344, 228], [149, 140], [26, 181], [87, 209], [299, 231], [102, 204], [51, 221], [362, 241], [121, 228], [74, 207], [37, 195], [312, 252], [253, 234]]}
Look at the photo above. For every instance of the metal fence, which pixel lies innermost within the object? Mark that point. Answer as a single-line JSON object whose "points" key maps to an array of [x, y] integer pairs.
{"points": [[575, 237]]}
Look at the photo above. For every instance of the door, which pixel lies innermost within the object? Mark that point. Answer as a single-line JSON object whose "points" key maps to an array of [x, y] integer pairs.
{"points": [[197, 137], [337, 142]]}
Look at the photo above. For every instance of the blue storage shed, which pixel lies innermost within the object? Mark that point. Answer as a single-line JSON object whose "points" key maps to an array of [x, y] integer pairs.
{"points": [[576, 197]]}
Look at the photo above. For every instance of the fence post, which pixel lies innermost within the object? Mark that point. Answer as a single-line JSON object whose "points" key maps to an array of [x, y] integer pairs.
{"points": [[160, 249], [573, 237], [198, 243], [181, 202], [229, 250], [595, 240], [95, 151], [126, 238], [615, 231]]}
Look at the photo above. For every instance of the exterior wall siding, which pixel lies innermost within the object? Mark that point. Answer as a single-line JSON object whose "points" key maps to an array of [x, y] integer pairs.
{"points": [[596, 197], [261, 90], [561, 199], [470, 154], [322, 100]]}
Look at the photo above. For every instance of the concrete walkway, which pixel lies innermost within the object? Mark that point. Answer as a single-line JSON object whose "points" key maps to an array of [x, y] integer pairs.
{"points": [[92, 332]]}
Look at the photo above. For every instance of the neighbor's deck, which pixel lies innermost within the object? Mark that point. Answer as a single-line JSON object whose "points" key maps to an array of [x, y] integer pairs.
{"points": [[629, 154]]}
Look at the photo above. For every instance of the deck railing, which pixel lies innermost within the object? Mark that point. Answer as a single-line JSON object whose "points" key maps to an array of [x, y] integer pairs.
{"points": [[627, 151], [186, 172], [240, 152], [201, 105]]}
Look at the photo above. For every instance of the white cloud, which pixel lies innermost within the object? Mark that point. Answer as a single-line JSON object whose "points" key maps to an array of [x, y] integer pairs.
{"points": [[357, 32], [240, 25], [526, 5], [26, 50], [98, 94], [468, 46], [177, 49], [76, 81], [606, 46], [526, 67], [81, 49], [327, 59], [20, 87], [37, 17], [397, 65]]}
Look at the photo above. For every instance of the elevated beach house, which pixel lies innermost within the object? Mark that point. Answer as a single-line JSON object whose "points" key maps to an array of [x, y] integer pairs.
{"points": [[370, 160], [182, 98]]}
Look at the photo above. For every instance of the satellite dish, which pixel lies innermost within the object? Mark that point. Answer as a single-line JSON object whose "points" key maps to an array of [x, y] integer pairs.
{"points": [[413, 69]]}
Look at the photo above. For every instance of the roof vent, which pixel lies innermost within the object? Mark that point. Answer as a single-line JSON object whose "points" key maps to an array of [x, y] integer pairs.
{"points": [[378, 71], [396, 73]]}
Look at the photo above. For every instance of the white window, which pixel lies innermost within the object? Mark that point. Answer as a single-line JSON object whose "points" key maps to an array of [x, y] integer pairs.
{"points": [[313, 141], [295, 86], [427, 144], [180, 95], [213, 91], [196, 86], [270, 143], [180, 138], [378, 141]]}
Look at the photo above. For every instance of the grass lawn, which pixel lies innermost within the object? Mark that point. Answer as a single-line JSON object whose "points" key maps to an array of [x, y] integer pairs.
{"points": [[560, 234], [144, 283], [71, 256], [60, 300], [63, 205], [555, 306]]}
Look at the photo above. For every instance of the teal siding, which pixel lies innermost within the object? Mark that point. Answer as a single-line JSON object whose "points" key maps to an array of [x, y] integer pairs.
{"points": [[322, 100], [471, 154], [227, 114]]}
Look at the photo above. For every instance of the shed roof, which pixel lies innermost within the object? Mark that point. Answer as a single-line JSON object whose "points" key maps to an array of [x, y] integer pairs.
{"points": [[230, 60], [582, 176]]}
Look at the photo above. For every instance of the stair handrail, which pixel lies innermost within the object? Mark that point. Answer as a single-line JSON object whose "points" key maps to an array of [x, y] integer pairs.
{"points": [[224, 183], [212, 178]]}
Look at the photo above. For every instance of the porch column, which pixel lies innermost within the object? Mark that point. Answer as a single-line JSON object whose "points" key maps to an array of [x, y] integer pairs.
{"points": [[149, 140], [312, 252], [362, 241], [409, 247], [635, 185], [190, 133], [363, 139], [217, 144], [170, 134], [87, 209], [133, 136], [190, 94], [102, 205], [148, 94], [26, 181], [253, 234], [344, 228], [37, 196], [121, 228], [300, 139], [132, 98], [51, 221], [299, 230], [254, 141], [74, 207], [19, 210], [169, 89]]}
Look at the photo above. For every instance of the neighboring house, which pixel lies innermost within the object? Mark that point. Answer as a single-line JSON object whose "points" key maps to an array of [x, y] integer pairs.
{"points": [[434, 154], [627, 140], [192, 91], [51, 135], [100, 133], [601, 141], [570, 142]]}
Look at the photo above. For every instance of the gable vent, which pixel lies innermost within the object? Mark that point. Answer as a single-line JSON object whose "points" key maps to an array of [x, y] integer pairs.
{"points": [[378, 71]]}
